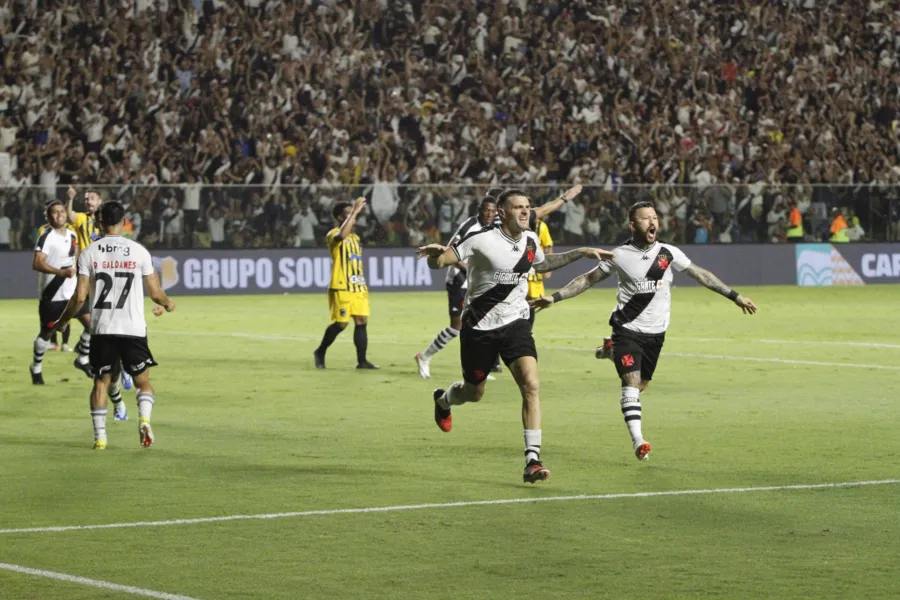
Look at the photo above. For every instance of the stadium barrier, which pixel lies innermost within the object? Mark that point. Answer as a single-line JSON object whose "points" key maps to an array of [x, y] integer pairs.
{"points": [[221, 272]]}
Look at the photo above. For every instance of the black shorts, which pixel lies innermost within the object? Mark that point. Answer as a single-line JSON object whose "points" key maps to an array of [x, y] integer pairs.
{"points": [[479, 349], [49, 312], [456, 299], [107, 350], [634, 351]]}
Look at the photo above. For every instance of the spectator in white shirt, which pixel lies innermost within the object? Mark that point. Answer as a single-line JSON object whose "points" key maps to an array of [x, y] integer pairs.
{"points": [[305, 222]]}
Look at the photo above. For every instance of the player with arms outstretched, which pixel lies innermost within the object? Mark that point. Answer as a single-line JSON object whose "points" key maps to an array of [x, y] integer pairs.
{"points": [[496, 318], [107, 270], [456, 274], [348, 295], [643, 307]]}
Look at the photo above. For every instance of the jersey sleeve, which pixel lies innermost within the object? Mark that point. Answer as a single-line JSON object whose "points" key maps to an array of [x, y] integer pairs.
{"points": [[146, 263], [84, 263], [42, 239], [679, 259], [466, 247], [332, 238]]}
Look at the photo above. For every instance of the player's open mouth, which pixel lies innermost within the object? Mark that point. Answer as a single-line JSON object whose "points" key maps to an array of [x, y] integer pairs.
{"points": [[651, 231]]}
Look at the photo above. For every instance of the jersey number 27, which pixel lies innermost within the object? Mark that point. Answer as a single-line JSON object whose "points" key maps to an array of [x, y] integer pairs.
{"points": [[107, 281]]}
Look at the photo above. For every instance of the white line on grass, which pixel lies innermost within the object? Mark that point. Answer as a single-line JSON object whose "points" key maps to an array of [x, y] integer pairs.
{"points": [[105, 585], [788, 361], [384, 509]]}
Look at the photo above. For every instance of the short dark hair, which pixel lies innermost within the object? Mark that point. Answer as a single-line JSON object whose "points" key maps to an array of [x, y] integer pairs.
{"points": [[111, 213], [50, 205], [492, 194], [488, 200], [339, 208], [507, 194], [632, 210]]}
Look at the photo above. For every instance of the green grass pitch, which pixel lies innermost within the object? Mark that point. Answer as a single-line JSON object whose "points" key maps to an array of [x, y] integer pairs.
{"points": [[246, 426]]}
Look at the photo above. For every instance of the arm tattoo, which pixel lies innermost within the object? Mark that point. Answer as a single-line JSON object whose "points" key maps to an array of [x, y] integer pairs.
{"points": [[707, 279], [555, 261], [581, 284]]}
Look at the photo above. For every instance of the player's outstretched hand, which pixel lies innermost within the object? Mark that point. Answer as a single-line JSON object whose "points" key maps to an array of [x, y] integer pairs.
{"points": [[746, 305], [158, 311], [572, 192], [539, 304], [70, 193], [359, 204], [431, 250], [597, 253]]}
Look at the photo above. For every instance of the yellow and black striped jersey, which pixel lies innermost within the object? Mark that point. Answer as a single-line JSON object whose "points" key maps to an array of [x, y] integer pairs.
{"points": [[543, 233], [347, 262], [86, 229]]}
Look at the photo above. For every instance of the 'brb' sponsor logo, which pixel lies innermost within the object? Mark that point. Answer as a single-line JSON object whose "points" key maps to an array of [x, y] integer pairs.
{"points": [[647, 286], [881, 265], [286, 273]]}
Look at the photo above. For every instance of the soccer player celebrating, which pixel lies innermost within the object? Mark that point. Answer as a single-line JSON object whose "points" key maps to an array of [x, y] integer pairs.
{"points": [[456, 274], [348, 296], [106, 272], [496, 318], [643, 305]]}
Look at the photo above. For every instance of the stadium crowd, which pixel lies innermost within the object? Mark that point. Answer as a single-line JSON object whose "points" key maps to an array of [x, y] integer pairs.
{"points": [[236, 123]]}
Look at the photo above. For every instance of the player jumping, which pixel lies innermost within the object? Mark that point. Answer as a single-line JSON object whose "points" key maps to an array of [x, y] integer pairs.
{"points": [[107, 270], [496, 318], [643, 307]]}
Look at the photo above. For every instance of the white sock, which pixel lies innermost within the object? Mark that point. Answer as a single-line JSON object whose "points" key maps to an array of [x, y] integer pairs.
{"points": [[98, 416], [453, 396], [115, 393], [37, 359], [631, 410], [442, 339], [532, 445], [145, 405], [83, 348]]}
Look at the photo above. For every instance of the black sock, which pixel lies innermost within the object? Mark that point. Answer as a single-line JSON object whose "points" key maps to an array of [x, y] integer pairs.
{"points": [[328, 339], [66, 333], [361, 341]]}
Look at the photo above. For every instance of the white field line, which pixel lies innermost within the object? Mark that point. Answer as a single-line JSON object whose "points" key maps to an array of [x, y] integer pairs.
{"points": [[442, 505], [96, 583], [786, 361]]}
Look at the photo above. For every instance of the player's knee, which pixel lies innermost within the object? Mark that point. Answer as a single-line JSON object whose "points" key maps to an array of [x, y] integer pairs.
{"points": [[361, 320], [530, 388], [643, 385], [474, 392], [341, 326], [455, 323]]}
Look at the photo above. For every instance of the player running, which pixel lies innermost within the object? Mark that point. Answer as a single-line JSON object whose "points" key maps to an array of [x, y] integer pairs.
{"points": [[107, 270], [496, 318], [456, 274], [348, 295], [643, 307]]}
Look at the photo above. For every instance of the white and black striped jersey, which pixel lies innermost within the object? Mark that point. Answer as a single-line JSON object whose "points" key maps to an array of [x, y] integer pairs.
{"points": [[498, 276], [457, 277], [643, 299], [117, 267], [60, 249]]}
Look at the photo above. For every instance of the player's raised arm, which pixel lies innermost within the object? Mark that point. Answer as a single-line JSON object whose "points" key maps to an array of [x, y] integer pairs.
{"points": [[350, 222], [552, 262], [711, 282], [575, 287], [439, 256], [542, 211], [71, 215]]}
